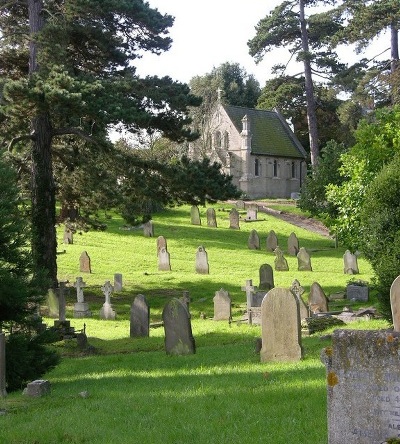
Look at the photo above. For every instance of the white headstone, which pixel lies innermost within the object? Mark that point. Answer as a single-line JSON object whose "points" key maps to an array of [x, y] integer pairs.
{"points": [[202, 266]]}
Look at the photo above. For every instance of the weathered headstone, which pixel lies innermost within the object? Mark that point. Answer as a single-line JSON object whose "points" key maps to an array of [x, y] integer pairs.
{"points": [[140, 317], [61, 290], [202, 266], [117, 282], [106, 311], [356, 292], [293, 244], [363, 386], [249, 289], [234, 219], [266, 277], [52, 304], [280, 261], [211, 218], [185, 299], [148, 229], [68, 236], [280, 326], [222, 306], [272, 241], [195, 215], [3, 391], [240, 205], [85, 263], [350, 263], [37, 388], [303, 260], [81, 308], [164, 263], [298, 291], [179, 339], [317, 300], [395, 303], [254, 240], [252, 213], [161, 243]]}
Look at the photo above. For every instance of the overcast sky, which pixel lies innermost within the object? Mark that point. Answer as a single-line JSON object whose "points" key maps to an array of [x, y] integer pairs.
{"points": [[208, 33]]}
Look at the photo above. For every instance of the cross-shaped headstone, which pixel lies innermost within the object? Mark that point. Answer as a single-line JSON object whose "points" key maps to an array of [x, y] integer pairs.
{"points": [[107, 289], [79, 285], [249, 289]]}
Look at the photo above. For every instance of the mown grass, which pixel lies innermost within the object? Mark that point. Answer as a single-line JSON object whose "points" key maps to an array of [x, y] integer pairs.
{"points": [[223, 393]]}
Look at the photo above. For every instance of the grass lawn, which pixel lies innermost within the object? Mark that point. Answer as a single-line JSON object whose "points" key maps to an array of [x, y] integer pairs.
{"points": [[223, 393]]}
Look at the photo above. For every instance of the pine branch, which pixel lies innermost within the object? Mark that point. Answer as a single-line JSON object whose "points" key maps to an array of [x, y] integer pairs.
{"points": [[75, 131], [15, 140]]}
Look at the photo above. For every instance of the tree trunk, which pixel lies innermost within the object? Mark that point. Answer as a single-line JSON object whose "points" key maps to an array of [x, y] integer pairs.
{"points": [[394, 48], [310, 99]]}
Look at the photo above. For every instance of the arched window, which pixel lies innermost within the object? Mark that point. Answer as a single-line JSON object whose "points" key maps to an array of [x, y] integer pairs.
{"points": [[275, 168], [217, 139]]}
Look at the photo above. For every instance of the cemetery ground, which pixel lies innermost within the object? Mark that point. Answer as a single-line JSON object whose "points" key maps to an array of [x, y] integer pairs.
{"points": [[129, 390]]}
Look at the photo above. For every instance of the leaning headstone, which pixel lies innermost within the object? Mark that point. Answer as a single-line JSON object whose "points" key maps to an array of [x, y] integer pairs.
{"points": [[356, 292], [164, 263], [117, 282], [293, 244], [179, 339], [222, 306], [202, 266], [161, 243], [280, 261], [240, 205], [395, 303], [195, 215], [254, 240], [85, 263], [37, 388], [234, 219], [280, 326], [317, 300], [106, 311], [140, 317], [362, 375], [303, 260], [272, 241], [266, 277], [52, 304], [3, 391], [350, 263], [81, 308], [298, 291], [211, 218], [148, 229], [68, 236]]}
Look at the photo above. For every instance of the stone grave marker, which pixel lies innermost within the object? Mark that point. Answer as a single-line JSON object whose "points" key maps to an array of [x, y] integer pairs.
{"points": [[395, 303], [293, 244], [272, 241], [280, 326], [202, 266], [252, 213], [240, 205], [211, 218], [81, 308], [254, 240], [37, 388], [303, 260], [52, 304], [234, 219], [106, 311], [140, 317], [356, 292], [61, 290], [298, 291], [164, 263], [117, 282], [266, 277], [161, 243], [280, 261], [363, 386], [195, 215], [185, 299], [148, 229], [3, 391], [222, 305], [350, 263], [85, 263], [179, 339], [317, 300], [249, 289], [68, 236]]}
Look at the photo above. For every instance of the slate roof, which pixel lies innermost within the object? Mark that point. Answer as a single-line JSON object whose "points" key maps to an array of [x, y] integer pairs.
{"points": [[271, 135]]}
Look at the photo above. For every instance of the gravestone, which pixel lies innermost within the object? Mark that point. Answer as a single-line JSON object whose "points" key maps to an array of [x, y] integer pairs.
{"points": [[240, 205], [61, 290], [350, 263], [356, 292], [234, 219], [395, 303], [249, 289], [117, 282], [202, 266], [317, 300], [140, 317], [254, 240], [185, 299], [254, 299], [272, 241], [148, 229], [211, 218], [195, 215], [85, 263], [52, 304], [303, 260], [81, 308], [280, 326], [266, 277], [164, 263], [222, 305], [298, 291], [293, 244], [68, 236], [161, 243], [251, 213], [179, 339], [3, 391], [37, 388], [106, 311], [363, 386], [280, 261]]}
